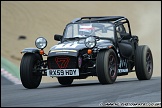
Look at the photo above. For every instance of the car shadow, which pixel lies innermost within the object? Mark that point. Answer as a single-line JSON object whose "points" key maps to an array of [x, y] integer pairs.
{"points": [[91, 83], [72, 85]]}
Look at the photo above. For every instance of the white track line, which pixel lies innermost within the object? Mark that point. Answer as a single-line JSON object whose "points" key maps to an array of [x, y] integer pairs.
{"points": [[10, 77]]}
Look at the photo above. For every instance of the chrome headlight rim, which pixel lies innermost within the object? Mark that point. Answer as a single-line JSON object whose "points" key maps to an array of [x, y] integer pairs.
{"points": [[37, 43], [91, 40]]}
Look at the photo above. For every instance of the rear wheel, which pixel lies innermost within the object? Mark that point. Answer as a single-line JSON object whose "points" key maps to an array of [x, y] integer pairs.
{"points": [[65, 80], [143, 63], [106, 66], [27, 67]]}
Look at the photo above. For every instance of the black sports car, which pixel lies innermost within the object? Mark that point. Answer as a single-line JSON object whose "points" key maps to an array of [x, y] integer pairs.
{"points": [[90, 46]]}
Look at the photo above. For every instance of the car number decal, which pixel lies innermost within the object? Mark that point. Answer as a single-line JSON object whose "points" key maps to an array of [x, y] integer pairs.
{"points": [[122, 70], [63, 72], [69, 45]]}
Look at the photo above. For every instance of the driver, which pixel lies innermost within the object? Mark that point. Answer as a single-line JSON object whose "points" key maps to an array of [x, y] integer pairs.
{"points": [[86, 29]]}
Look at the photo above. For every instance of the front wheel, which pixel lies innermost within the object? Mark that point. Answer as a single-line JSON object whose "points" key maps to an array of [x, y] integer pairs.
{"points": [[143, 63], [27, 67], [106, 66]]}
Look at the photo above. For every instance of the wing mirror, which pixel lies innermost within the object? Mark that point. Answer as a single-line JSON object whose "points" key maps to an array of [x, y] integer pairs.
{"points": [[58, 37]]}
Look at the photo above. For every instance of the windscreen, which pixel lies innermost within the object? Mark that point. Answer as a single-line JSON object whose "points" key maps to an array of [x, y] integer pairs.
{"points": [[88, 29]]}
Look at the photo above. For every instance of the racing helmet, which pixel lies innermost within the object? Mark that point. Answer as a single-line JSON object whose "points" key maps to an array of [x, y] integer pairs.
{"points": [[86, 29]]}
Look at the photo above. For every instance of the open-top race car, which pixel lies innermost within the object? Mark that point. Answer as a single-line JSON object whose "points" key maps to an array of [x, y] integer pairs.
{"points": [[90, 46]]}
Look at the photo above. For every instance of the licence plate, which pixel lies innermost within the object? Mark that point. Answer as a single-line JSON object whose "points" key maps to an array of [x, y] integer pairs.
{"points": [[62, 72]]}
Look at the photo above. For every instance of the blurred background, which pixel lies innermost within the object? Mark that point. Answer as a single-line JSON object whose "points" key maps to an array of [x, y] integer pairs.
{"points": [[46, 18]]}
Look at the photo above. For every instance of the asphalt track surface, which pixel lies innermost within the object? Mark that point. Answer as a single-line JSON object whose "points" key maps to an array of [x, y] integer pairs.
{"points": [[83, 94]]}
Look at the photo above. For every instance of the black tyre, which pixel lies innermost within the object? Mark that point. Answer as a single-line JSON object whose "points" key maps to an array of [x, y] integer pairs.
{"points": [[143, 63], [106, 66], [65, 80], [28, 65]]}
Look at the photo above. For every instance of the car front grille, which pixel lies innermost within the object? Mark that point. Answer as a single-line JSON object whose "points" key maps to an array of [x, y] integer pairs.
{"points": [[62, 62]]}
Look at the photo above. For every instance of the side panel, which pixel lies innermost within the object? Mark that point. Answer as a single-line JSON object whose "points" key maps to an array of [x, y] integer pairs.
{"points": [[125, 49]]}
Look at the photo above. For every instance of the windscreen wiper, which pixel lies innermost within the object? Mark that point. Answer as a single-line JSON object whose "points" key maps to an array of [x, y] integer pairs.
{"points": [[74, 38]]}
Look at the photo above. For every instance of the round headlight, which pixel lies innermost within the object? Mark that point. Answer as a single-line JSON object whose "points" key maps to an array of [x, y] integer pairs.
{"points": [[40, 42], [90, 42]]}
